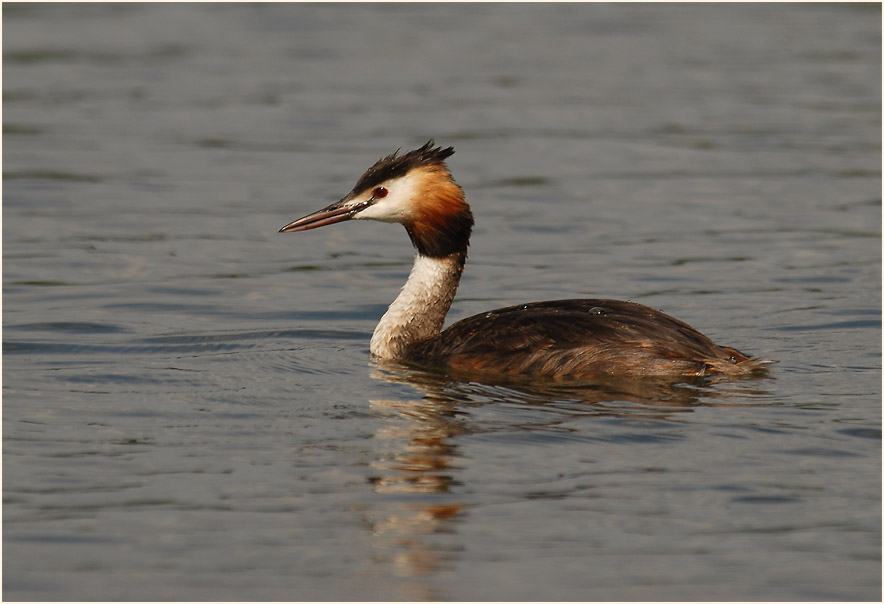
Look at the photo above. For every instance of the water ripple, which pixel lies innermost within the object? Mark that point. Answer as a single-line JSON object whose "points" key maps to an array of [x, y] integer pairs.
{"points": [[184, 343]]}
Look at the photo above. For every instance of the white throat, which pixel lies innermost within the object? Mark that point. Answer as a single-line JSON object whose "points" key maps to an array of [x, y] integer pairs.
{"points": [[418, 312]]}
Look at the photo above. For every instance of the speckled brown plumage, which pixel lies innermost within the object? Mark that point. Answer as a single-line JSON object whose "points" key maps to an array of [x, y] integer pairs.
{"points": [[579, 339]]}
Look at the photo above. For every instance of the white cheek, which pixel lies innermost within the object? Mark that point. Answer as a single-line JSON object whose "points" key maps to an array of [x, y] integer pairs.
{"points": [[386, 210], [397, 206]]}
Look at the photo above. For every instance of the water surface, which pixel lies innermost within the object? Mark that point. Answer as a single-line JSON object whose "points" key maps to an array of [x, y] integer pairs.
{"points": [[189, 407]]}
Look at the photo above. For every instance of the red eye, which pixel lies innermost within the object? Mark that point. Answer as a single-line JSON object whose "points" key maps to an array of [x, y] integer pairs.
{"points": [[379, 193]]}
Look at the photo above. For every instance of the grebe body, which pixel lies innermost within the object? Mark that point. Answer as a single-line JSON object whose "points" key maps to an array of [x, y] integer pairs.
{"points": [[568, 339]]}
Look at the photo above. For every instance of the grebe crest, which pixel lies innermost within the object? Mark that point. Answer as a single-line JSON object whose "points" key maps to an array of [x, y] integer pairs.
{"points": [[572, 339]]}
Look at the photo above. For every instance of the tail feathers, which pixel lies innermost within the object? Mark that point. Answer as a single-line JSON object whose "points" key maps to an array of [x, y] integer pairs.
{"points": [[749, 366]]}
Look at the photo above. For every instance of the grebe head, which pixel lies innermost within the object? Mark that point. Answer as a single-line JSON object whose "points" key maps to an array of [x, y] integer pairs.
{"points": [[415, 190]]}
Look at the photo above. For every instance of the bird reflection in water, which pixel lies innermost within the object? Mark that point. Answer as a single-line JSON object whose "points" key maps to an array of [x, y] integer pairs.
{"points": [[415, 471], [419, 460]]}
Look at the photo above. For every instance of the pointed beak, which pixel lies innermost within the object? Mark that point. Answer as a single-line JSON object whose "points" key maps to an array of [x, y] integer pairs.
{"points": [[336, 212]]}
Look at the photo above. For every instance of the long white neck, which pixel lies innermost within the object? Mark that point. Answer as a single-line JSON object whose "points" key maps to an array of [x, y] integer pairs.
{"points": [[418, 313]]}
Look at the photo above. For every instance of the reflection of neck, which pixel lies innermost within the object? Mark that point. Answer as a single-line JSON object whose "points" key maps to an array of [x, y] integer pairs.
{"points": [[418, 312]]}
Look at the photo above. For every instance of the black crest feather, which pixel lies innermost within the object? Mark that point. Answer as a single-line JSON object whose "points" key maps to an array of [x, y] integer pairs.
{"points": [[395, 165]]}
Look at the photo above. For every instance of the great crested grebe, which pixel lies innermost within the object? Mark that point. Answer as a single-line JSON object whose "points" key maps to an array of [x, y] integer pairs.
{"points": [[570, 339]]}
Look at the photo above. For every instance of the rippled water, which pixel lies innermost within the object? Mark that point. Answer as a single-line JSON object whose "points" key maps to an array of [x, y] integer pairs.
{"points": [[189, 407]]}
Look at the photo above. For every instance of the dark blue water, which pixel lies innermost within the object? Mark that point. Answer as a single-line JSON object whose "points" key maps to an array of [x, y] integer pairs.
{"points": [[189, 407]]}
